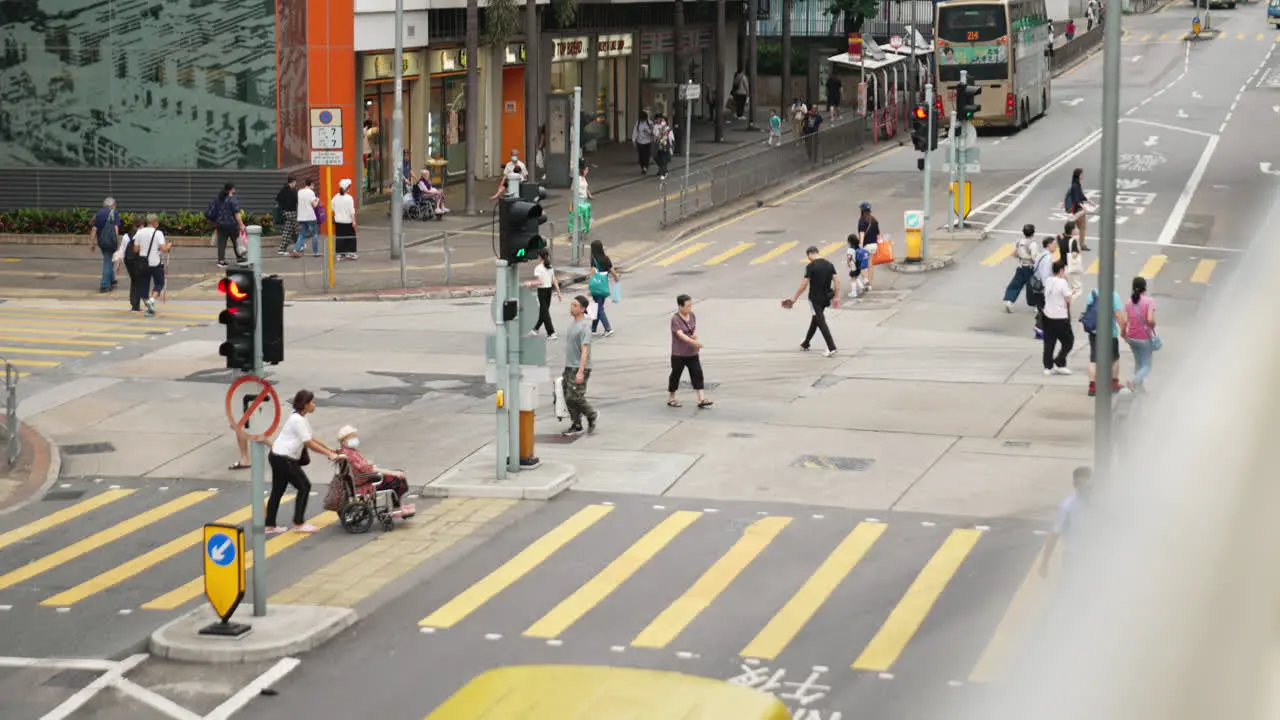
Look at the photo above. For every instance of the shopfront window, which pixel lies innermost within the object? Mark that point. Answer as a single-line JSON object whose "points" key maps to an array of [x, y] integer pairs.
{"points": [[447, 121], [565, 76], [381, 170]]}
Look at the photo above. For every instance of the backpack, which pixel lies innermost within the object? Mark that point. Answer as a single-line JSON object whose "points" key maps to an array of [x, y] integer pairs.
{"points": [[211, 212], [1089, 318], [109, 238], [599, 284], [664, 139], [1067, 205], [1035, 285]]}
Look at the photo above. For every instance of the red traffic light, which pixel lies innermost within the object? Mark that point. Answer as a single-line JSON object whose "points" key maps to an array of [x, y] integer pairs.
{"points": [[230, 287], [921, 113]]}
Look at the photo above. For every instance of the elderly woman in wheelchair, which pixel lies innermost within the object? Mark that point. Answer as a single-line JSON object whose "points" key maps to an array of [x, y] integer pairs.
{"points": [[370, 492]]}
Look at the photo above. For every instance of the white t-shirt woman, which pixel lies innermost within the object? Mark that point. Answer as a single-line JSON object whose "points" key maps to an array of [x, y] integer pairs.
{"points": [[543, 275], [293, 437], [344, 209], [1057, 293]]}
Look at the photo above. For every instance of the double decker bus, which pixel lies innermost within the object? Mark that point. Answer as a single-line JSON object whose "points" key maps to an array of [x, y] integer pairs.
{"points": [[1006, 48]]}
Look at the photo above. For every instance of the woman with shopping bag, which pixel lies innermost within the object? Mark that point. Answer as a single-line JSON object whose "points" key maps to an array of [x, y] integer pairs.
{"points": [[869, 239], [600, 287]]}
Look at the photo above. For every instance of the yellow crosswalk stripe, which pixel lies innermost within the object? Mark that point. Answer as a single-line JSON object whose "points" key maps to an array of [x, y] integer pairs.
{"points": [[832, 248], [780, 249], [1239, 36], [1262, 36], [175, 599], [559, 618], [54, 519], [43, 351], [1164, 36], [1024, 608], [146, 561], [783, 627], [735, 250], [1093, 267], [101, 538], [471, 599], [24, 362], [24, 338], [1000, 255], [1204, 269], [32, 331], [87, 325], [1146, 37], [1277, 37], [682, 254], [113, 315], [906, 617], [677, 616], [1153, 265]]}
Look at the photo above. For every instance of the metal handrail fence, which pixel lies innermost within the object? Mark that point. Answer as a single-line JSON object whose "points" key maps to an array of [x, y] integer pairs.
{"points": [[13, 441], [727, 182]]}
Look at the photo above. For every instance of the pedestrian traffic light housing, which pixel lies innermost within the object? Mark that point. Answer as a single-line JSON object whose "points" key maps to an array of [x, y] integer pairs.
{"points": [[920, 129], [239, 318], [519, 223], [967, 101], [272, 319]]}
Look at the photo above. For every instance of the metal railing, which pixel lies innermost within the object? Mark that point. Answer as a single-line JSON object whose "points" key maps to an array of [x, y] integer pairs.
{"points": [[12, 440], [711, 186]]}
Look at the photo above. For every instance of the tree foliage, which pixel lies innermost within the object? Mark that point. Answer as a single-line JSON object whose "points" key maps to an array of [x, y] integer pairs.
{"points": [[855, 12], [566, 12], [502, 20]]}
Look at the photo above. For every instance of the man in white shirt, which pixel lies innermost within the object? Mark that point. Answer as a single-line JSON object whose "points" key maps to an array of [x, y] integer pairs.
{"points": [[514, 166], [152, 246], [307, 225]]}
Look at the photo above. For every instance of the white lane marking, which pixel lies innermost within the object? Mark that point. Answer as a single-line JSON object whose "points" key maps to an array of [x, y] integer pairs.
{"points": [[1024, 187], [1175, 128], [89, 664], [87, 693], [1145, 242], [155, 700], [1189, 191], [236, 702]]}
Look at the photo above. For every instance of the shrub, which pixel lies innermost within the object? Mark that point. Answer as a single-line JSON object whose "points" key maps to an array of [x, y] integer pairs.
{"points": [[78, 221]]}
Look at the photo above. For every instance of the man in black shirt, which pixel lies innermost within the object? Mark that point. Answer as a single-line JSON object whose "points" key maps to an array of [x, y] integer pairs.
{"points": [[823, 283], [287, 201]]}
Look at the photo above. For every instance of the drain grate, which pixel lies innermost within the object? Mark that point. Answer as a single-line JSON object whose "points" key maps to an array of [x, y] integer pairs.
{"points": [[88, 448], [469, 304], [688, 272], [741, 435], [770, 232], [833, 463], [1017, 443], [62, 495]]}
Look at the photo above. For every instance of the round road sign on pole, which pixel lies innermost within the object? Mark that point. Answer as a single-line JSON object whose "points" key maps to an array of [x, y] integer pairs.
{"points": [[895, 42], [265, 393]]}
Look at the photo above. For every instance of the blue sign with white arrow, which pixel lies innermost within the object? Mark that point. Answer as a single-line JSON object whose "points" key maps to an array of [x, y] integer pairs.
{"points": [[221, 549]]}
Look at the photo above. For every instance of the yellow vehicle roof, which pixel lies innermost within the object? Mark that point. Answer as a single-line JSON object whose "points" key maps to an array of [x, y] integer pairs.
{"points": [[584, 692]]}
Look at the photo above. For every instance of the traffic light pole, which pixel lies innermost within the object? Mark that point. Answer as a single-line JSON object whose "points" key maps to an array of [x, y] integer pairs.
{"points": [[953, 131], [959, 141], [575, 158], [928, 164], [257, 454], [512, 403], [501, 339]]}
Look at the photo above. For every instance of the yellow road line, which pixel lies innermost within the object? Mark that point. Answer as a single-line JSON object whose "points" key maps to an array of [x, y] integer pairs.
{"points": [[54, 519], [1146, 37], [180, 596], [106, 314], [99, 539], [68, 333], [1000, 255], [906, 617], [471, 599], [1239, 36], [736, 250], [1153, 266], [682, 254], [677, 616], [1262, 36], [143, 562], [23, 362], [43, 351], [787, 623], [1093, 267], [832, 247], [1204, 269], [133, 321], [559, 618], [89, 325], [784, 247], [1023, 609], [1164, 36], [24, 338]]}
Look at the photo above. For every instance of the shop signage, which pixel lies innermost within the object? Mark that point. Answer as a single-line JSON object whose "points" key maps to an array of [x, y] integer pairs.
{"points": [[613, 45], [574, 48], [382, 66], [514, 54], [452, 60]]}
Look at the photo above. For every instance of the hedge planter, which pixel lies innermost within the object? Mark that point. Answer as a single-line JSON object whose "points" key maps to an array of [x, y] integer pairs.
{"points": [[83, 239], [75, 222]]}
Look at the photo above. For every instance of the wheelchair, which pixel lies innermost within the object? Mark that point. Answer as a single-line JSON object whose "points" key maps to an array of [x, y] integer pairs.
{"points": [[365, 502], [422, 208]]}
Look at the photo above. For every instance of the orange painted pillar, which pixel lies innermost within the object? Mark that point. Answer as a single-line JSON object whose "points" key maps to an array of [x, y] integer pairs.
{"points": [[528, 401], [331, 80]]}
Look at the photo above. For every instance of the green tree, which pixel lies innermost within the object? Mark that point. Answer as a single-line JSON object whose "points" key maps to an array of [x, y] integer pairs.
{"points": [[855, 12]]}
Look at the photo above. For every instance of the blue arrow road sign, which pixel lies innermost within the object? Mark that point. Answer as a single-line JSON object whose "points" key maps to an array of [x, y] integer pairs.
{"points": [[220, 549]]}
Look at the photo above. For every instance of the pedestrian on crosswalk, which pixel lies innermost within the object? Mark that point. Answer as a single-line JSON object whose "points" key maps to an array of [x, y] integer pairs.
{"points": [[1057, 321], [1025, 252], [823, 284], [577, 368], [152, 247], [104, 238], [1070, 515], [1089, 320], [289, 454], [685, 348], [1140, 332], [1075, 206], [1042, 270], [869, 240]]}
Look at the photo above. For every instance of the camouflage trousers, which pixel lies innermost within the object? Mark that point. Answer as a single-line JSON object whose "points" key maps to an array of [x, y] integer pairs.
{"points": [[575, 396]]}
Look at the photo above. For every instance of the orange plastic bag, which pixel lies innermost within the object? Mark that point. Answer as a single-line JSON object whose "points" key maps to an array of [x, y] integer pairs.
{"points": [[884, 252]]}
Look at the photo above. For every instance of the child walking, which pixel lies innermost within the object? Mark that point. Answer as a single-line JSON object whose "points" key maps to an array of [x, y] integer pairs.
{"points": [[775, 129]]}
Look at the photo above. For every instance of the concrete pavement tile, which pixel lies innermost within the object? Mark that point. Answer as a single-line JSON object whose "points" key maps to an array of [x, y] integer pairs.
{"points": [[757, 462], [131, 459], [647, 472], [1044, 448], [991, 486], [950, 409], [62, 394], [1063, 414], [84, 413], [171, 362], [962, 365], [627, 430]]}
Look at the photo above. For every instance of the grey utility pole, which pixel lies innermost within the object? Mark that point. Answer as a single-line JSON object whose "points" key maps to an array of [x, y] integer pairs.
{"points": [[1107, 237], [397, 145], [500, 372], [575, 158], [953, 132], [257, 455], [959, 141], [473, 103], [928, 169]]}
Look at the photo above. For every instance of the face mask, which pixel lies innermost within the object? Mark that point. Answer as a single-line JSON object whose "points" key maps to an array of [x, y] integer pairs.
{"points": [[353, 442]]}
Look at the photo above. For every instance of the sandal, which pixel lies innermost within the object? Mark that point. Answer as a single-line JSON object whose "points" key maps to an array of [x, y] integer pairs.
{"points": [[674, 403], [238, 466], [305, 528], [705, 404]]}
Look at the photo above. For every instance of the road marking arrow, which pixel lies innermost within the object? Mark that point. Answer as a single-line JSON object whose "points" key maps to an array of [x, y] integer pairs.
{"points": [[1195, 95], [1130, 183], [1135, 58], [1073, 101], [220, 552], [1182, 113], [1152, 141], [1266, 168]]}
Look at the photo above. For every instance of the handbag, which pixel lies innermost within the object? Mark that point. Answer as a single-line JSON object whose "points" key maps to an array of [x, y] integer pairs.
{"points": [[616, 293], [305, 459], [884, 252], [599, 284]]}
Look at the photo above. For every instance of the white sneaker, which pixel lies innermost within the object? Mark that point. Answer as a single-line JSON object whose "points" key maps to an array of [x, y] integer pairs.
{"points": [[552, 336], [1047, 371], [1061, 371], [608, 333], [828, 353], [533, 333], [1008, 306], [853, 293]]}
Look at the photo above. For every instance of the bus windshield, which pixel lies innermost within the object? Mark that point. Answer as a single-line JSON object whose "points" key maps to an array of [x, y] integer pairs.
{"points": [[973, 38]]}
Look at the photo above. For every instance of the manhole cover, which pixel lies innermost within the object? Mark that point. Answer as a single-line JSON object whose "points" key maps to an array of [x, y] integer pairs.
{"points": [[88, 448], [59, 495], [833, 463], [1195, 230]]}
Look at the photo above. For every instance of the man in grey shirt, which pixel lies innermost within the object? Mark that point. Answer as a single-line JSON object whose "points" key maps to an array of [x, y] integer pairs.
{"points": [[577, 368]]}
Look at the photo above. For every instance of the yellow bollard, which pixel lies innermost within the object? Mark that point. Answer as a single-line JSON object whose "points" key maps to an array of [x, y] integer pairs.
{"points": [[913, 224]]}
